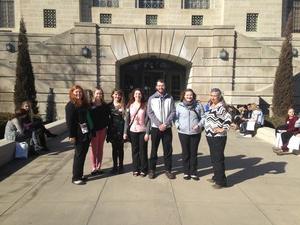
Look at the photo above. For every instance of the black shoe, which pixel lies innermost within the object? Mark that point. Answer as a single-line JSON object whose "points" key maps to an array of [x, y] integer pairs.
{"points": [[195, 177], [151, 174], [121, 170], [170, 175], [186, 177], [94, 172]]}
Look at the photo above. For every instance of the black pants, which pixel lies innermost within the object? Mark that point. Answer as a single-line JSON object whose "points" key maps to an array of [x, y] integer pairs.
{"points": [[117, 153], [216, 148], [81, 149], [139, 152], [166, 137], [189, 146], [285, 137]]}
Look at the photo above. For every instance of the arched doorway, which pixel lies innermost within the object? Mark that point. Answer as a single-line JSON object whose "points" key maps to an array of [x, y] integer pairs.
{"points": [[144, 73]]}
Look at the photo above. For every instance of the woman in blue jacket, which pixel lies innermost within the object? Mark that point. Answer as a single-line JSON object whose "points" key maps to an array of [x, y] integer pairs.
{"points": [[188, 122]]}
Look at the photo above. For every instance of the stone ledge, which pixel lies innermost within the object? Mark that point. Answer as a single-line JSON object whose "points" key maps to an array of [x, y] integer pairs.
{"points": [[7, 148], [266, 134]]}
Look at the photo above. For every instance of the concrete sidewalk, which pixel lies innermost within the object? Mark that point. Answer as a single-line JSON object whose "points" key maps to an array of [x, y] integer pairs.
{"points": [[264, 189]]}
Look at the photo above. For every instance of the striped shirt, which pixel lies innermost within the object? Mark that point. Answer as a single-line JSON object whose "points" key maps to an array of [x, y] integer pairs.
{"points": [[217, 117]]}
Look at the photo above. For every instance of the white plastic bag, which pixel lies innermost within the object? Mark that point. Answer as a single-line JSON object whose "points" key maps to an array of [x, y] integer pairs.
{"points": [[250, 126], [21, 150], [294, 143]]}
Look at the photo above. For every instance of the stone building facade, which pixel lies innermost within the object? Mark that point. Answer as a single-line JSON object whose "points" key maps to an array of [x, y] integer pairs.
{"points": [[230, 44]]}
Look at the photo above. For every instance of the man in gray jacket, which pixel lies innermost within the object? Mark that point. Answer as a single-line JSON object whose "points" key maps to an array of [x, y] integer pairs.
{"points": [[161, 111]]}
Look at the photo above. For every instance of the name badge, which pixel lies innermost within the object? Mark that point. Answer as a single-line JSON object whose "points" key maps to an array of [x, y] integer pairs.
{"points": [[84, 128]]}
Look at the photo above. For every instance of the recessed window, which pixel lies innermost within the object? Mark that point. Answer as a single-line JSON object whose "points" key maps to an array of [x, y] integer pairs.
{"points": [[296, 15], [197, 20], [251, 22], [49, 18], [151, 19], [105, 18], [7, 13], [196, 4], [151, 4]]}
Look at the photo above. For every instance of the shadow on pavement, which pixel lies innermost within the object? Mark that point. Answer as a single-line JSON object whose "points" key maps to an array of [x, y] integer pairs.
{"points": [[56, 146], [249, 168]]}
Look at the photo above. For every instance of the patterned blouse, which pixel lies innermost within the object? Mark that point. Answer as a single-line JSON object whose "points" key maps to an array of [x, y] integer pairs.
{"points": [[217, 117]]}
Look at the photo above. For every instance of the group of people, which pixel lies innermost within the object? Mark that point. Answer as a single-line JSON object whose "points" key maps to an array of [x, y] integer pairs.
{"points": [[287, 136], [28, 127], [247, 119], [139, 121]]}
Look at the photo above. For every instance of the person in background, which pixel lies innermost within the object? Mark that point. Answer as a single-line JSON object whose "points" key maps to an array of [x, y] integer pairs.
{"points": [[217, 123], [79, 132], [188, 117], [137, 123], [116, 129], [285, 132], [99, 118], [36, 120], [161, 111]]}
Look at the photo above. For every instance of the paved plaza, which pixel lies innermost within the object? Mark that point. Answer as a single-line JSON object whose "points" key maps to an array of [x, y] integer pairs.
{"points": [[264, 189]]}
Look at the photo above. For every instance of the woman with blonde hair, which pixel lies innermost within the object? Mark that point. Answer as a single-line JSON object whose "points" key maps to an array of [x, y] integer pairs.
{"points": [[99, 114], [79, 132]]}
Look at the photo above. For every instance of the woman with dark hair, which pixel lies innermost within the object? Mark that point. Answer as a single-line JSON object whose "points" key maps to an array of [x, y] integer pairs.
{"points": [[76, 119], [137, 123], [14, 129], [116, 129], [188, 117], [217, 123], [99, 113]]}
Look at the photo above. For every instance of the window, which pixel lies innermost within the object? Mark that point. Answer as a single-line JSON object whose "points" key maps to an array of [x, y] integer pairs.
{"points": [[197, 20], [7, 13], [251, 22], [105, 18], [151, 19], [106, 3], [296, 15], [49, 18], [196, 4], [151, 3]]}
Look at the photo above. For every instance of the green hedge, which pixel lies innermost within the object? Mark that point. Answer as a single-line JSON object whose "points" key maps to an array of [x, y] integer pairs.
{"points": [[274, 121], [3, 119]]}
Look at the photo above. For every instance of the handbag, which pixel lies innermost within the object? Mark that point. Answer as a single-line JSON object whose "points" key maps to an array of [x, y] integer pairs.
{"points": [[130, 124]]}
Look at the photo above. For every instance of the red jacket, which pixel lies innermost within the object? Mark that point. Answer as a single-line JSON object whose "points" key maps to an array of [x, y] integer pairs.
{"points": [[291, 124]]}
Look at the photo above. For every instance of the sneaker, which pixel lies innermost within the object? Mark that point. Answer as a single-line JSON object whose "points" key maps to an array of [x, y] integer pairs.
{"points": [[219, 186], [135, 174], [142, 174], [78, 182], [151, 174], [170, 175], [195, 177], [186, 177]]}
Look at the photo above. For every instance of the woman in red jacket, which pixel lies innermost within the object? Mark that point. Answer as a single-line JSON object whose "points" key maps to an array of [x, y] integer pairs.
{"points": [[287, 130]]}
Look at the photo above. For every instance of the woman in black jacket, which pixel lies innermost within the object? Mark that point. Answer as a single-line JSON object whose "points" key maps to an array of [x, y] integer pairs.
{"points": [[76, 119]]}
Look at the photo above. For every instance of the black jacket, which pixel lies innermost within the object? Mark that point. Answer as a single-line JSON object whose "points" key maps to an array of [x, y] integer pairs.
{"points": [[74, 117]]}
